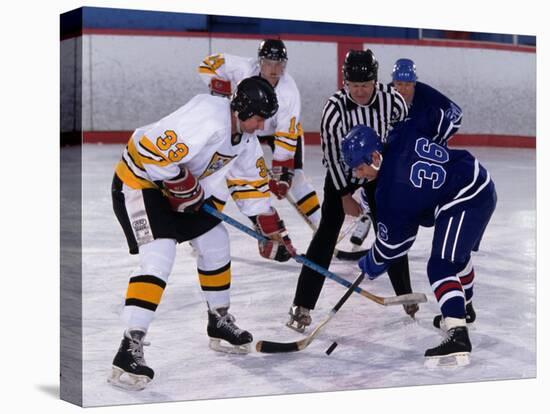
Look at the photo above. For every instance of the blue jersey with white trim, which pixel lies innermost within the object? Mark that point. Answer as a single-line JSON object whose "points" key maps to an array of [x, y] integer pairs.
{"points": [[417, 181], [450, 114]]}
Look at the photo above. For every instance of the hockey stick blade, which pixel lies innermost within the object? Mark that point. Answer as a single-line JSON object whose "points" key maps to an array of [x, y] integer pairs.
{"points": [[406, 299], [269, 347], [343, 255], [279, 347]]}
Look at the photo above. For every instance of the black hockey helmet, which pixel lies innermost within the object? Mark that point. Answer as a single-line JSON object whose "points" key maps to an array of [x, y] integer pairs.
{"points": [[272, 49], [254, 96], [360, 66]]}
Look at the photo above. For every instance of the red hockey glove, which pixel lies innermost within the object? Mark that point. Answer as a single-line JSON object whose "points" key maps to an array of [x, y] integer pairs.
{"points": [[281, 177], [279, 246], [184, 192], [220, 87]]}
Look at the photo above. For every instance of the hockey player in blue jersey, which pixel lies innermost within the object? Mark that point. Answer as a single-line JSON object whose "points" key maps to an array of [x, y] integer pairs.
{"points": [[421, 183], [420, 97]]}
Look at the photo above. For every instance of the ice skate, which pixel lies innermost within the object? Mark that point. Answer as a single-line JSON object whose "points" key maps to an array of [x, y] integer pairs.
{"points": [[223, 331], [299, 319], [130, 371], [454, 351], [360, 233], [439, 323]]}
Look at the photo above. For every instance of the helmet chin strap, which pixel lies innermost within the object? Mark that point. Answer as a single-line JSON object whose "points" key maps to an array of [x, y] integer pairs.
{"points": [[379, 164], [346, 88], [238, 123]]}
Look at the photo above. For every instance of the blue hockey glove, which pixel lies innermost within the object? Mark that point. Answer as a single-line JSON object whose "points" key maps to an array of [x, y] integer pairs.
{"points": [[370, 267]]}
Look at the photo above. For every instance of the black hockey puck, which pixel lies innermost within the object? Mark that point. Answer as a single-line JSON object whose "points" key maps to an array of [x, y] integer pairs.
{"points": [[331, 348]]}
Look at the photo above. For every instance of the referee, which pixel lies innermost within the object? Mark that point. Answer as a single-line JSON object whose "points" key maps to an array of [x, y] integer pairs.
{"points": [[362, 101]]}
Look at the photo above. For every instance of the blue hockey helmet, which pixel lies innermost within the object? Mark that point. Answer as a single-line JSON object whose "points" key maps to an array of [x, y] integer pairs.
{"points": [[404, 70], [359, 144]]}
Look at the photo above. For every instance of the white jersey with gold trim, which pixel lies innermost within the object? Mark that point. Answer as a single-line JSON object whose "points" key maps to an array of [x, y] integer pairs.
{"points": [[198, 135], [285, 125]]}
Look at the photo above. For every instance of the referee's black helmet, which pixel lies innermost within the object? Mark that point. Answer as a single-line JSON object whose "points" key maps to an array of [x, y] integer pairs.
{"points": [[360, 66]]}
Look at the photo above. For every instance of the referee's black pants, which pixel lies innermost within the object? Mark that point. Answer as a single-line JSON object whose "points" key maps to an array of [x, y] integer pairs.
{"points": [[323, 243]]}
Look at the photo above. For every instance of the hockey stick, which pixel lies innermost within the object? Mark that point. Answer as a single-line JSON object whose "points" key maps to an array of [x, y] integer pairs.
{"points": [[276, 347], [344, 255], [339, 254], [406, 299], [294, 204]]}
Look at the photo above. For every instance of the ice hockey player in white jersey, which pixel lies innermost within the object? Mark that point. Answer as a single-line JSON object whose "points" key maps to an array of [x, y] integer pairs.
{"points": [[201, 153], [283, 133]]}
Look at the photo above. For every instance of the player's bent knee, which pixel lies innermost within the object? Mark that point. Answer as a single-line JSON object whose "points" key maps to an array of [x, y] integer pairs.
{"points": [[438, 268], [157, 258]]}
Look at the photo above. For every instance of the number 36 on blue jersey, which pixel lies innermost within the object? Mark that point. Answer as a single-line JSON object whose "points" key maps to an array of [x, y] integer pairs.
{"points": [[429, 172]]}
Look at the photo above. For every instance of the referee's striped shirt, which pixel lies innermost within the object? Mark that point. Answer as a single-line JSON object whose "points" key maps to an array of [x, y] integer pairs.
{"points": [[386, 107]]}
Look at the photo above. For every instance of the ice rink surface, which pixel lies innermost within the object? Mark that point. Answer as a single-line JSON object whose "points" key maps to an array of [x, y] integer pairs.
{"points": [[378, 346]]}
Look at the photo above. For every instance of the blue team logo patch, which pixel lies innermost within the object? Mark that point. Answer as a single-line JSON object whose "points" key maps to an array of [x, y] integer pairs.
{"points": [[217, 162], [382, 232], [453, 113]]}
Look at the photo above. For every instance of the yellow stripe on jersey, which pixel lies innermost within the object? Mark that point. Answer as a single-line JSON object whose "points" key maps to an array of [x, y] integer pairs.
{"points": [[218, 204], [135, 156], [219, 279], [256, 184], [293, 136], [149, 146], [246, 194], [294, 131], [286, 146], [207, 71], [213, 62], [300, 129], [128, 177]]}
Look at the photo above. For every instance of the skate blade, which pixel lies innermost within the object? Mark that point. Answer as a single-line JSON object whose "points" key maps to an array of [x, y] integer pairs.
{"points": [[223, 346], [452, 361], [127, 381], [298, 328]]}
